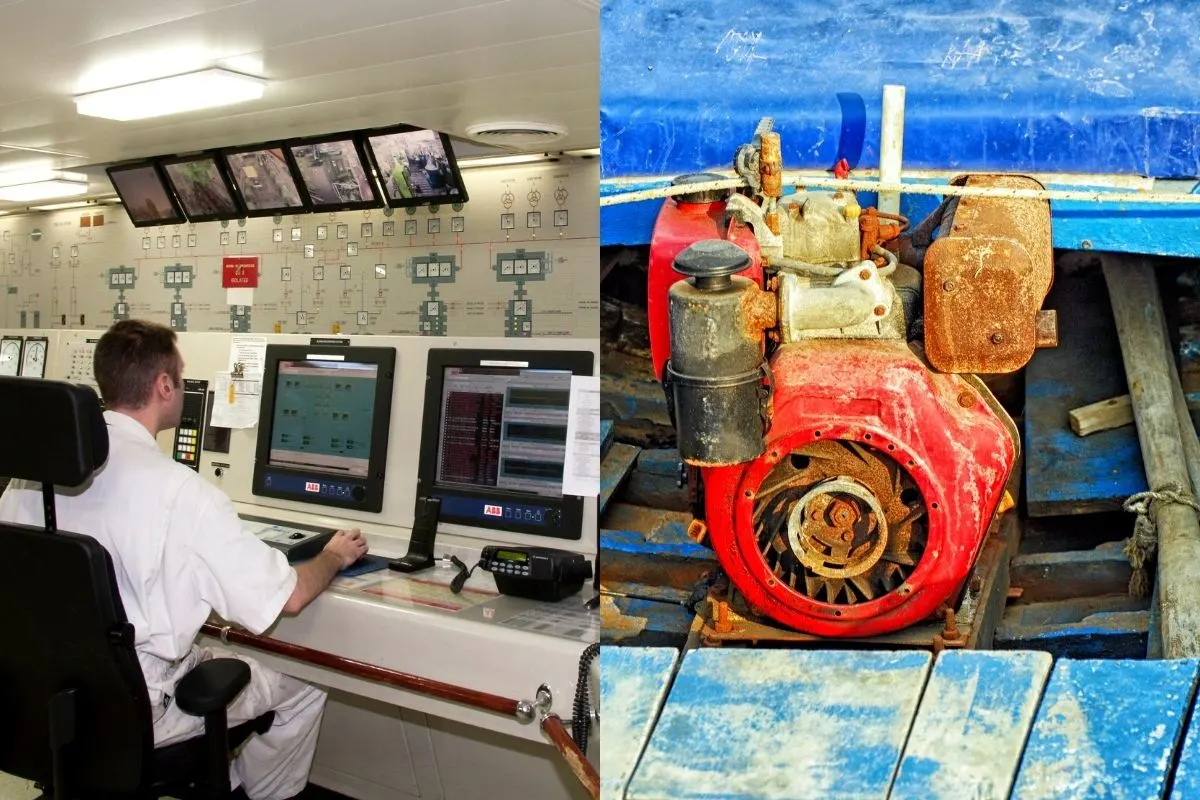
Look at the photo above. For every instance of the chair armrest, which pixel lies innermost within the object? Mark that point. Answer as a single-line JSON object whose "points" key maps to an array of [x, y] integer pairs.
{"points": [[211, 686]]}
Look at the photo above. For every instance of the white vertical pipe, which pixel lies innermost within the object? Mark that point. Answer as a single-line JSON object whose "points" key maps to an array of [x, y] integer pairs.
{"points": [[891, 146]]}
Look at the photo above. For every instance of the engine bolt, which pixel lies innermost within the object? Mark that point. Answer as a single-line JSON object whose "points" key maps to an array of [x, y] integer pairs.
{"points": [[865, 274], [948, 286], [880, 311], [997, 337], [966, 400]]}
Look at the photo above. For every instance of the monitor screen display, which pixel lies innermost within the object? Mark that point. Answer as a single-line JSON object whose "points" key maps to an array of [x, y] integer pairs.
{"points": [[265, 181], [334, 174], [145, 195], [504, 428], [323, 416], [416, 167], [201, 188]]}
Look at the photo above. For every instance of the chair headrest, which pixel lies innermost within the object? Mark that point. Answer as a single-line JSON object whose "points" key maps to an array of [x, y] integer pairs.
{"points": [[57, 432]]}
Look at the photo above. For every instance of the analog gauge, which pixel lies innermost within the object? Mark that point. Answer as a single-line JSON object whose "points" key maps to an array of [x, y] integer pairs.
{"points": [[33, 360], [10, 356]]}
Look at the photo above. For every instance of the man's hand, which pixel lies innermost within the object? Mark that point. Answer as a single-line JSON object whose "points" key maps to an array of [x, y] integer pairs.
{"points": [[313, 576], [349, 546]]}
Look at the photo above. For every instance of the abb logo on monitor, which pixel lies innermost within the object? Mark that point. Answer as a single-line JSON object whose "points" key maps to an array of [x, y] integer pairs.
{"points": [[312, 486], [493, 511]]}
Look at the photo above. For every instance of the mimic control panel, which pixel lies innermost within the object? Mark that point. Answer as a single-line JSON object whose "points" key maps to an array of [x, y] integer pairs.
{"points": [[189, 434]]}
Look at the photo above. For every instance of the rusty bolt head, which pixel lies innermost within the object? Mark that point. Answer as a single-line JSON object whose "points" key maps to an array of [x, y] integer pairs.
{"points": [[948, 286], [880, 311], [865, 274], [997, 337], [843, 513], [966, 399]]}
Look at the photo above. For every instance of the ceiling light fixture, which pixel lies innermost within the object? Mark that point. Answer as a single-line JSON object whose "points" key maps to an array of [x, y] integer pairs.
{"points": [[24, 186], [192, 91], [62, 206]]}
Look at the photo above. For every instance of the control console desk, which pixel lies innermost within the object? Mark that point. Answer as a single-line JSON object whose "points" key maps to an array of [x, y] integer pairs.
{"points": [[363, 432]]}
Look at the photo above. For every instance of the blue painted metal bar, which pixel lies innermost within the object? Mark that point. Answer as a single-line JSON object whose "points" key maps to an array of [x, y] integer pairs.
{"points": [[1106, 729], [1027, 86], [633, 687], [969, 734], [786, 724]]}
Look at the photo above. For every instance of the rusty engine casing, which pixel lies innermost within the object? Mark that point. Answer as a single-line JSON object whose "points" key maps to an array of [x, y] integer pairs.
{"points": [[857, 478]]}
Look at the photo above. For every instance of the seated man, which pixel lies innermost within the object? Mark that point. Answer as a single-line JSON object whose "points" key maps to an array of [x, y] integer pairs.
{"points": [[179, 552]]}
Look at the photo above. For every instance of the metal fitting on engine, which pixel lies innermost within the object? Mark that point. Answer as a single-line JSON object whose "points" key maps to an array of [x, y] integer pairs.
{"points": [[717, 367], [857, 304]]}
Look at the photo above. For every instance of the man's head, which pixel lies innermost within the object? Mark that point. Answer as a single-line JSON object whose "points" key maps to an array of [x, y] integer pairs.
{"points": [[140, 373]]}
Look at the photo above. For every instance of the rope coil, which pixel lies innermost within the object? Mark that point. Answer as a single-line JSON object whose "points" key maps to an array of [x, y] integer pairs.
{"points": [[1142, 544]]}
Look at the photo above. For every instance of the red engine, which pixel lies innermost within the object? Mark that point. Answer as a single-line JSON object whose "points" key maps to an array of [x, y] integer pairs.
{"points": [[848, 483]]}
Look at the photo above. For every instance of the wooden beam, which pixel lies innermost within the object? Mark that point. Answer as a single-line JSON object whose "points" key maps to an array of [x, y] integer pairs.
{"points": [[1137, 310]]}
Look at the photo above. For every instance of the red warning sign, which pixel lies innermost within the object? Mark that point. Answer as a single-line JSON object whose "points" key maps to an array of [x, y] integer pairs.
{"points": [[239, 272]]}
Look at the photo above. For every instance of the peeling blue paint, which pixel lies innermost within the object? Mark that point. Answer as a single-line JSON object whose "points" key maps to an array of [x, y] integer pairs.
{"points": [[633, 686]]}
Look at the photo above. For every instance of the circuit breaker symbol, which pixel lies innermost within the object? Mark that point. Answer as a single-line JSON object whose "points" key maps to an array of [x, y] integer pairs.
{"points": [[179, 277], [121, 279], [518, 267], [432, 270], [239, 319]]}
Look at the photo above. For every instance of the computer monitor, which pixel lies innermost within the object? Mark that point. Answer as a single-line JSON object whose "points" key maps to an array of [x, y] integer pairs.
{"points": [[493, 439], [323, 425], [416, 166], [145, 194], [334, 174], [266, 181], [202, 187]]}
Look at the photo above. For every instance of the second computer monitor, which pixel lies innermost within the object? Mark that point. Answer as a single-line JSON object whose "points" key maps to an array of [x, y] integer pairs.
{"points": [[493, 442]]}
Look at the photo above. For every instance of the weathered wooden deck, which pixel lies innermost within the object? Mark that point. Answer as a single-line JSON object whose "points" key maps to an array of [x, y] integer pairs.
{"points": [[821, 724]]}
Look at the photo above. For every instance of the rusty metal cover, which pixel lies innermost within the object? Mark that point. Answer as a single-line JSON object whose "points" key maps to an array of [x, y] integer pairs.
{"points": [[985, 281]]}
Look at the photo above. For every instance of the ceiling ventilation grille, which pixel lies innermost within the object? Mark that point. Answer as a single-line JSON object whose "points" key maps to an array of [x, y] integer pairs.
{"points": [[516, 134]]}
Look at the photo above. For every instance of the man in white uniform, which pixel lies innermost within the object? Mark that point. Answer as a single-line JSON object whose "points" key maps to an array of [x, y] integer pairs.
{"points": [[179, 552]]}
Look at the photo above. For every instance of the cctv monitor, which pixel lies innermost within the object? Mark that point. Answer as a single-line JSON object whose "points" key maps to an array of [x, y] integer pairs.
{"points": [[266, 181], [333, 174], [493, 439], [145, 195], [416, 167], [323, 425], [202, 187]]}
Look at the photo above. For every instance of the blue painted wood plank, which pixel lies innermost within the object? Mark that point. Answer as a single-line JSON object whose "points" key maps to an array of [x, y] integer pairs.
{"points": [[969, 733], [645, 623], [1187, 773], [1106, 729], [1030, 85], [633, 686], [1065, 473], [614, 469], [606, 436], [782, 724]]}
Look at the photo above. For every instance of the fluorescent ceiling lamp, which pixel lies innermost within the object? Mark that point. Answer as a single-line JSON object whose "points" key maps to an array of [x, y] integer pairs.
{"points": [[24, 187], [61, 206], [193, 91], [500, 161]]}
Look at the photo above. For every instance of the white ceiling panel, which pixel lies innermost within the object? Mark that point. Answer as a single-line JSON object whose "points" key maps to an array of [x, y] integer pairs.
{"points": [[443, 64]]}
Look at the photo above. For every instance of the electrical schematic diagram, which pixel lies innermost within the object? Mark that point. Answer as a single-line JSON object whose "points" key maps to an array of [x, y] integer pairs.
{"points": [[239, 319], [178, 277], [518, 267], [122, 279], [432, 270]]}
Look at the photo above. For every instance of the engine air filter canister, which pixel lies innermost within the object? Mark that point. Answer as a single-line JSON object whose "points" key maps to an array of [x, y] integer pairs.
{"points": [[717, 367]]}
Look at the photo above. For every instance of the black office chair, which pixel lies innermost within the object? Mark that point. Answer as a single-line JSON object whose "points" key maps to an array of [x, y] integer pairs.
{"points": [[74, 709]]}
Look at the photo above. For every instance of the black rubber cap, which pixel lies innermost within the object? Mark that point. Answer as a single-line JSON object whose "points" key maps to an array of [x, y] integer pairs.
{"points": [[711, 258], [709, 196]]}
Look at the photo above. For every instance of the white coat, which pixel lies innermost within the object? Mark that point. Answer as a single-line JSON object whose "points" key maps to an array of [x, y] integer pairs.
{"points": [[180, 553]]}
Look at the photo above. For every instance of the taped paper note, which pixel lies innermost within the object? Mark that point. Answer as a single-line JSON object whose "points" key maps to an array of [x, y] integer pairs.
{"points": [[581, 473], [235, 402]]}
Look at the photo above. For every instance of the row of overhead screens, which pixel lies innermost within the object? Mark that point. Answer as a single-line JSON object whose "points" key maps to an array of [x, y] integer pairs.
{"points": [[398, 167]]}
